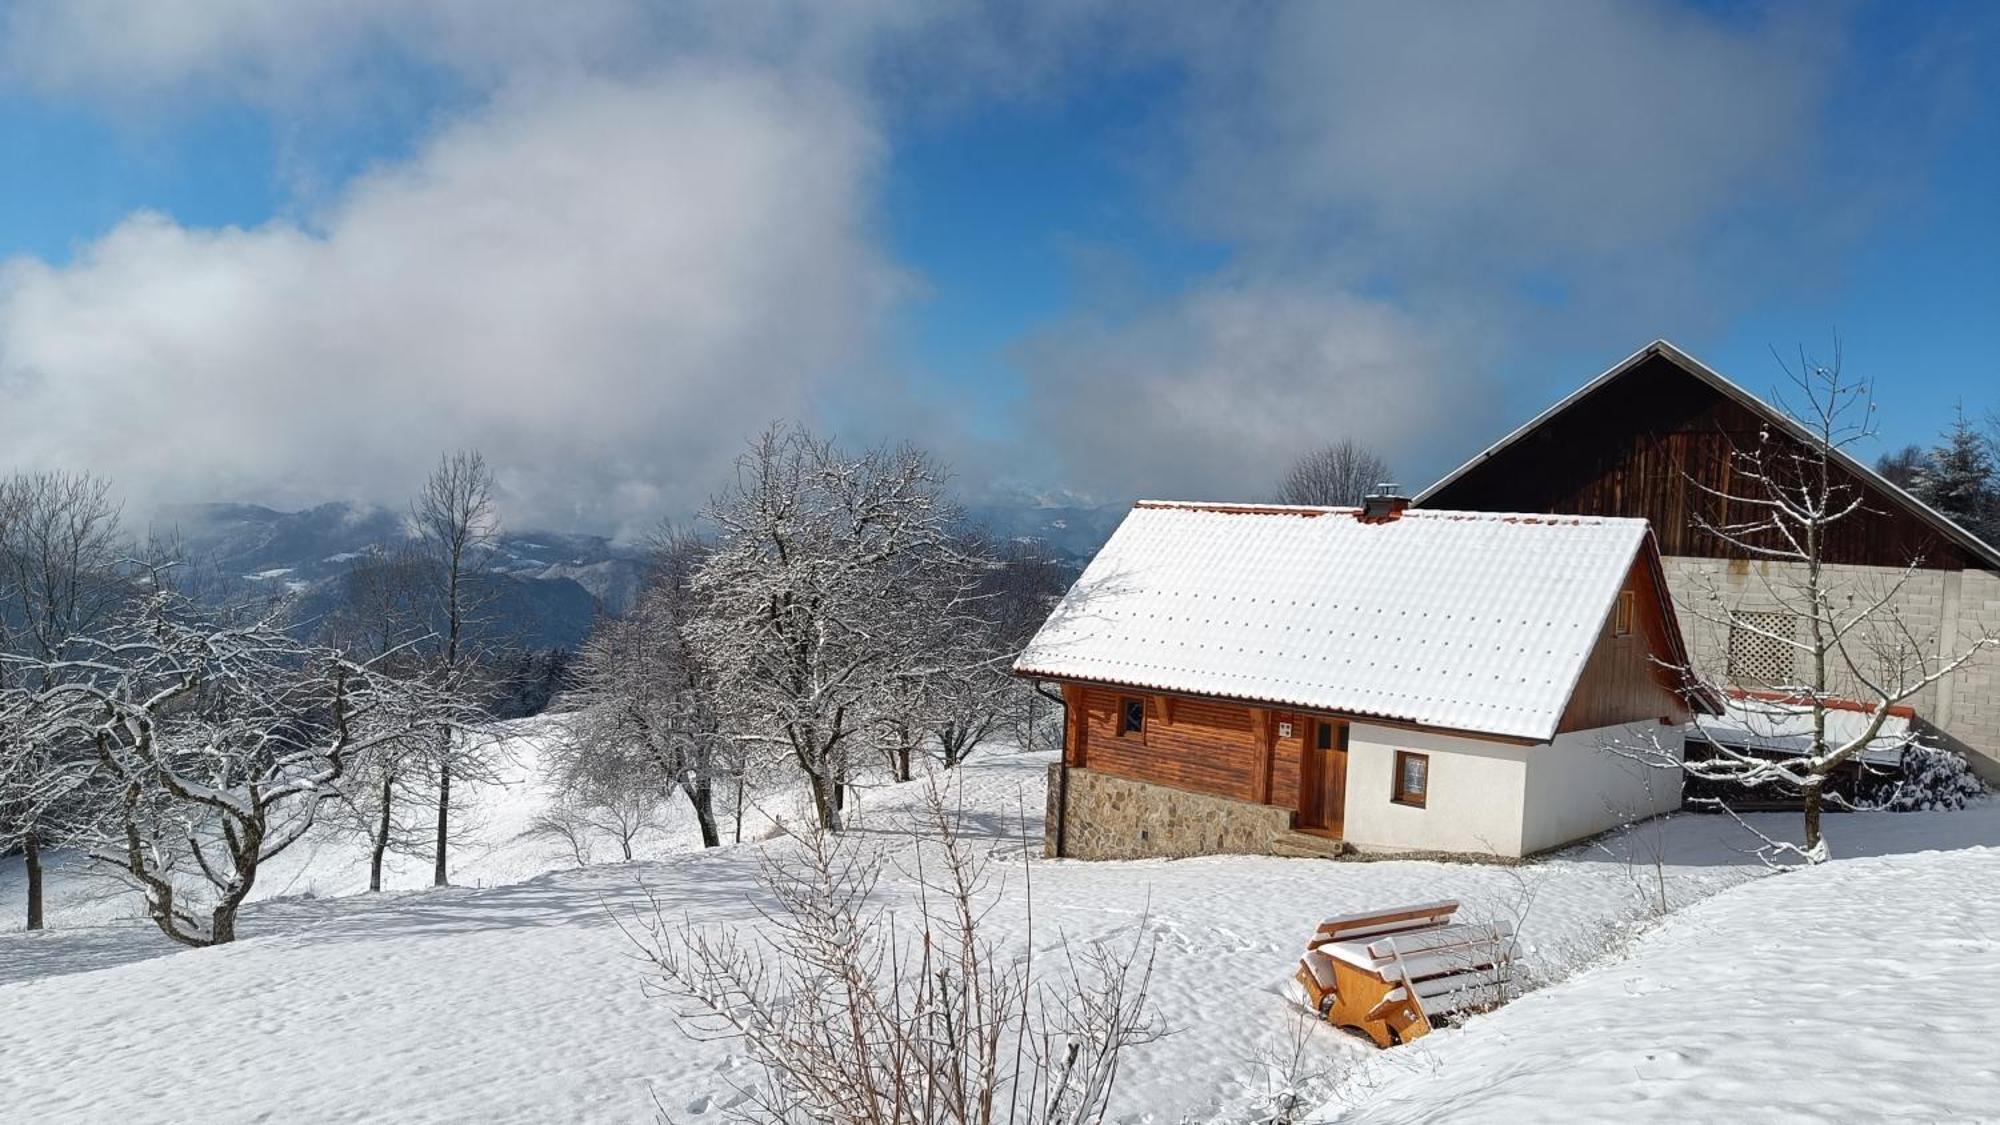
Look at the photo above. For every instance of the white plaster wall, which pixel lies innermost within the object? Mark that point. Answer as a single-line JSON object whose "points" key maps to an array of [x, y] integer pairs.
{"points": [[1475, 801], [1581, 784]]}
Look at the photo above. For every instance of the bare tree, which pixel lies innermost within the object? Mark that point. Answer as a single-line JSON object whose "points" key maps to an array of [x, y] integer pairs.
{"points": [[610, 790], [60, 546], [214, 746], [456, 526], [383, 615], [806, 600], [964, 634], [1902, 467], [858, 1012], [1824, 639], [646, 693], [1015, 597], [942, 689], [1338, 474]]}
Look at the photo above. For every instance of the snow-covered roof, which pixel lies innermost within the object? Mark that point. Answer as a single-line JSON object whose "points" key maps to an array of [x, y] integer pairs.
{"points": [[1469, 621], [1778, 726]]}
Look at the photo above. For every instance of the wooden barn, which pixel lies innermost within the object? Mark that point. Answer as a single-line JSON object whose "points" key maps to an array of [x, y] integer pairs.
{"points": [[1651, 438], [1254, 679]]}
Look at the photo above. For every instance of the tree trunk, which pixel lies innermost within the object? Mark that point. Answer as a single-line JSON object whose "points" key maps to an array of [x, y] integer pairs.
{"points": [[1815, 848], [381, 842], [739, 808], [826, 801], [438, 878], [222, 925], [32, 846], [899, 760], [701, 795]]}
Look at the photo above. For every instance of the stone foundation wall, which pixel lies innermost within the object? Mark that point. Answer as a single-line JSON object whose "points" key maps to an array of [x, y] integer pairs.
{"points": [[1117, 818]]}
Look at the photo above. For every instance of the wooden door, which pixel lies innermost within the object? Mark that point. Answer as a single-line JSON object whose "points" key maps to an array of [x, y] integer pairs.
{"points": [[1323, 794], [1330, 747]]}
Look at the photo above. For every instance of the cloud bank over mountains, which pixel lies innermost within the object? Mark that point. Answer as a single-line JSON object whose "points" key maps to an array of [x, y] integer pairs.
{"points": [[632, 234]]}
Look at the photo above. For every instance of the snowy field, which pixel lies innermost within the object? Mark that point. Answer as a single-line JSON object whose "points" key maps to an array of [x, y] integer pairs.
{"points": [[514, 997]]}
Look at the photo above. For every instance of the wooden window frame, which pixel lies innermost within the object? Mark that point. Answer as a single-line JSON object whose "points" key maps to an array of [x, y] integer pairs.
{"points": [[1624, 617], [1397, 794], [1125, 704]]}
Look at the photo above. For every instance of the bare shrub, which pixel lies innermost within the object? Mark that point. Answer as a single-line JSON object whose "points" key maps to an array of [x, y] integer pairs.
{"points": [[858, 1010]]}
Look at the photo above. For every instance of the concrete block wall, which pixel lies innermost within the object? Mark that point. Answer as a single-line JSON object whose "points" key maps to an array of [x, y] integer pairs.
{"points": [[1948, 611]]}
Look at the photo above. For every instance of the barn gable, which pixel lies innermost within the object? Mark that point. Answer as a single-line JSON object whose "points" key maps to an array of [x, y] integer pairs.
{"points": [[1642, 439]]}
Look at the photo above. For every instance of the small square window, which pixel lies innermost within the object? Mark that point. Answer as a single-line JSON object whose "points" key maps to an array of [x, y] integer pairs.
{"points": [[1413, 778], [1132, 720], [1621, 624], [1325, 739]]}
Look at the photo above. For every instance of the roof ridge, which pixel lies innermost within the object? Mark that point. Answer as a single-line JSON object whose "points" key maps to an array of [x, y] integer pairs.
{"points": [[1224, 507]]}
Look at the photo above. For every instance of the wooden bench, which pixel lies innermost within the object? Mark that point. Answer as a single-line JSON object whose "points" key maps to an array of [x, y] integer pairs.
{"points": [[1387, 974]]}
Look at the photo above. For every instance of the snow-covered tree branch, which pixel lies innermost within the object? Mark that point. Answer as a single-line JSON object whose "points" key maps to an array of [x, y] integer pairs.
{"points": [[826, 584], [212, 746]]}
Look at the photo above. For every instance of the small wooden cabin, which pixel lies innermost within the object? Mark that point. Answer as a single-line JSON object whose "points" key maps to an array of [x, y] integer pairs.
{"points": [[1243, 678]]}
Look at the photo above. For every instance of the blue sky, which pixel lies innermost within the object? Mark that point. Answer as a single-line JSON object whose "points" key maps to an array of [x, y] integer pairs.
{"points": [[1073, 247]]}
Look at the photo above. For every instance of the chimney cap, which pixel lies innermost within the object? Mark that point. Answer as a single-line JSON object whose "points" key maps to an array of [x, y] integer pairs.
{"points": [[1384, 504]]}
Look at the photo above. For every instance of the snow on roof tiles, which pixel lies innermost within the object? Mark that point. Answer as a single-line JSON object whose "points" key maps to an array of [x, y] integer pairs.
{"points": [[1472, 621]]}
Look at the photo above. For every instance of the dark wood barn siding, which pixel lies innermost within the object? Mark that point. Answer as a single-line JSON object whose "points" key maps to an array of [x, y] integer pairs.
{"points": [[1624, 681], [1638, 445]]}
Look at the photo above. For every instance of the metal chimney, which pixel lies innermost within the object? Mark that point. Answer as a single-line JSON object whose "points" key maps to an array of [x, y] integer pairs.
{"points": [[1386, 503]]}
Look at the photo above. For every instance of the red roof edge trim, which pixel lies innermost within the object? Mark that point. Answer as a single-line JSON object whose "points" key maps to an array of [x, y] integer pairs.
{"points": [[1896, 710]]}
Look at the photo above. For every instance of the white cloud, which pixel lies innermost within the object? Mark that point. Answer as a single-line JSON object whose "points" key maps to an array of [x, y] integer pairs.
{"points": [[1534, 133], [605, 285], [1213, 395], [1420, 198]]}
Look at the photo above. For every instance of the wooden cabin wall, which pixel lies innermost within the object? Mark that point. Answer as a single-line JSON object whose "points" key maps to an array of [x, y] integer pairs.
{"points": [[1624, 682], [1205, 746], [1643, 445]]}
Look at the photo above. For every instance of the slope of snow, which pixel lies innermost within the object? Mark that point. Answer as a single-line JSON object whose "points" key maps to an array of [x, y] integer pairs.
{"points": [[1857, 991], [519, 1000]]}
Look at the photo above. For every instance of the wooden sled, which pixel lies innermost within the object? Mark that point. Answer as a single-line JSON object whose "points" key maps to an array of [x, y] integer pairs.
{"points": [[1388, 974]]}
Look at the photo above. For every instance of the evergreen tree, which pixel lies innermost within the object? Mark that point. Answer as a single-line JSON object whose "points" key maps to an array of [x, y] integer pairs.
{"points": [[1958, 479]]}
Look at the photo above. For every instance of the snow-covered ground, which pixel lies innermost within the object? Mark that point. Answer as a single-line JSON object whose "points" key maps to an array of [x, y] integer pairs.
{"points": [[514, 997], [1861, 990]]}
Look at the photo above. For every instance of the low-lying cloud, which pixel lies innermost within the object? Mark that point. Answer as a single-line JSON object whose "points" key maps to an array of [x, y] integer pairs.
{"points": [[606, 285]]}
